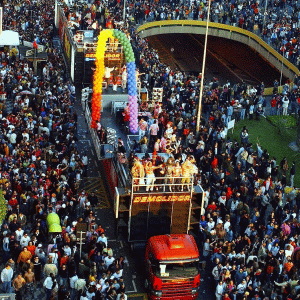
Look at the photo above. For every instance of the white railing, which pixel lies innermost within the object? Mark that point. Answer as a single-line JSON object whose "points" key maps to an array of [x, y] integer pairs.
{"points": [[163, 184], [130, 139]]}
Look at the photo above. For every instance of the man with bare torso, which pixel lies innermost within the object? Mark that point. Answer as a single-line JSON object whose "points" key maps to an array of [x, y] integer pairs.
{"points": [[30, 280], [18, 285]]}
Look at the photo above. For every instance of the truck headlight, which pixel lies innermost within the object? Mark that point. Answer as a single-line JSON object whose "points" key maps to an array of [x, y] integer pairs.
{"points": [[194, 291], [157, 293]]}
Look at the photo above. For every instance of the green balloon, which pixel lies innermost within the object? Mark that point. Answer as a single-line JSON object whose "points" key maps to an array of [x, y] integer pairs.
{"points": [[53, 218], [55, 228]]}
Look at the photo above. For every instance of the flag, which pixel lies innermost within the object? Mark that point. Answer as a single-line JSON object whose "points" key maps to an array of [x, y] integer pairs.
{"points": [[35, 46]]}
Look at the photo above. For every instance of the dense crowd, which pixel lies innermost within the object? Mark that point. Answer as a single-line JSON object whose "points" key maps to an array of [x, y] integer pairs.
{"points": [[250, 223], [275, 21], [41, 170]]}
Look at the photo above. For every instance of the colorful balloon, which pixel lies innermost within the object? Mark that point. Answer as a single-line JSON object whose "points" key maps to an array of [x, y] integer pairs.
{"points": [[99, 73]]}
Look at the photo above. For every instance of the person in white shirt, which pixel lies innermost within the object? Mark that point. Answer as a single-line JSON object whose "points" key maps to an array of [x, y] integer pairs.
{"points": [[220, 290], [285, 105], [210, 225], [108, 260], [105, 286], [73, 280], [49, 284], [122, 296], [107, 74], [67, 250], [103, 239], [227, 225], [6, 277], [54, 256], [19, 234], [118, 274], [24, 240], [13, 137]]}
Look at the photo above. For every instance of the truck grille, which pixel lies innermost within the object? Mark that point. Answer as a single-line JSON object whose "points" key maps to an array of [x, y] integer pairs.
{"points": [[177, 289]]}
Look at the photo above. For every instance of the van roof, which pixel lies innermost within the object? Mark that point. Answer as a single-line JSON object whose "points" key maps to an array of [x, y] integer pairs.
{"points": [[173, 247]]}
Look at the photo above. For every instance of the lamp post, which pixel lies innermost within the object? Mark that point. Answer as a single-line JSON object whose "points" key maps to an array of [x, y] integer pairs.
{"points": [[124, 11], [265, 13], [203, 70], [281, 67]]}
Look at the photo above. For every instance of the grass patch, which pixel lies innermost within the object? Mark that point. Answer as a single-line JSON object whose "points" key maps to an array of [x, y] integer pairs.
{"points": [[273, 138], [283, 121]]}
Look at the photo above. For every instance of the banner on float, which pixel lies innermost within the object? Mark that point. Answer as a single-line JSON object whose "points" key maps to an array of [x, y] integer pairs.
{"points": [[146, 198]]}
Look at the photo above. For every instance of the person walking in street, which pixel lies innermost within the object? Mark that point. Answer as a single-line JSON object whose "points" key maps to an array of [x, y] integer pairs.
{"points": [[216, 272], [220, 290], [50, 284], [29, 277], [6, 277], [18, 284], [73, 280]]}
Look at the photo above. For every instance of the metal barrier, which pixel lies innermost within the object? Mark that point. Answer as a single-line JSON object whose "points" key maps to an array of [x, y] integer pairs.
{"points": [[121, 171], [130, 139], [165, 184]]}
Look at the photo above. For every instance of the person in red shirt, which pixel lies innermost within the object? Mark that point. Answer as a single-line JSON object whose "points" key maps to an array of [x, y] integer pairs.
{"points": [[214, 163], [13, 202], [273, 106], [226, 297], [212, 207]]}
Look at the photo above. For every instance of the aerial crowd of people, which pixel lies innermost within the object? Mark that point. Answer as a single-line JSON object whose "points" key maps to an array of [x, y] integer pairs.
{"points": [[249, 231], [41, 170]]}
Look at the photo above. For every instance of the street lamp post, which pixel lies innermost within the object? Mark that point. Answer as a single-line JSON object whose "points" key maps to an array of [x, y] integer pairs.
{"points": [[281, 68], [265, 13], [124, 11], [203, 69]]}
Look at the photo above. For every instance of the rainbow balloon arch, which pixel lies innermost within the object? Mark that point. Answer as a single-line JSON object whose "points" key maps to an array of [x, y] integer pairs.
{"points": [[99, 73]]}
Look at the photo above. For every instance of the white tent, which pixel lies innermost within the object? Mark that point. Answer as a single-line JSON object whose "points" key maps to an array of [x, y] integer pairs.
{"points": [[9, 38]]}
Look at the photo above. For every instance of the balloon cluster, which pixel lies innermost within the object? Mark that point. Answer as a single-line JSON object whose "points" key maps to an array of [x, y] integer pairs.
{"points": [[98, 76], [99, 73], [132, 93]]}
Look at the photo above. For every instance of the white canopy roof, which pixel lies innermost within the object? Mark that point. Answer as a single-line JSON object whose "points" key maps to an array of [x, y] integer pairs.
{"points": [[9, 38]]}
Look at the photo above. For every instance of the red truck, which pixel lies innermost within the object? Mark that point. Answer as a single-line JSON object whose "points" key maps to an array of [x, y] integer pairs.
{"points": [[172, 271]]}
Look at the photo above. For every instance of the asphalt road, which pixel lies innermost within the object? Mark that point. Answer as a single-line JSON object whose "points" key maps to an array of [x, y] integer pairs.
{"points": [[226, 59]]}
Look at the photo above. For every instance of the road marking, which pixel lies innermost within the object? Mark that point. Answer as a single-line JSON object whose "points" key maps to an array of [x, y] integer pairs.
{"points": [[138, 295], [134, 286], [121, 244]]}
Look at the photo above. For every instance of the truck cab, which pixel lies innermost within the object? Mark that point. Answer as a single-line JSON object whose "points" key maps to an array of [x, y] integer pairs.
{"points": [[172, 271]]}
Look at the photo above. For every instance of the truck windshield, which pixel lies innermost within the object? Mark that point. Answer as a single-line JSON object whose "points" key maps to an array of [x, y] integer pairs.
{"points": [[178, 269]]}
